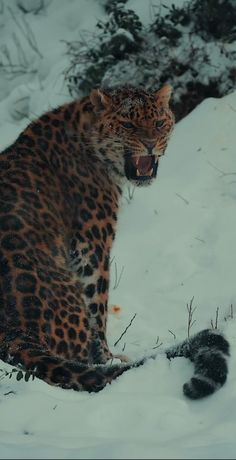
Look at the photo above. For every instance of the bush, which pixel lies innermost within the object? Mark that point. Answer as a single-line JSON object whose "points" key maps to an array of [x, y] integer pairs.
{"points": [[189, 47]]}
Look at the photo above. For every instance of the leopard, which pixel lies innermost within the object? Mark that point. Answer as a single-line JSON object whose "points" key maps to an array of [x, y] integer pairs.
{"points": [[61, 184]]}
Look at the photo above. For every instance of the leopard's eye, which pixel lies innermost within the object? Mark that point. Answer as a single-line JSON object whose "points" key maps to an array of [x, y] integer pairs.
{"points": [[159, 124], [127, 125]]}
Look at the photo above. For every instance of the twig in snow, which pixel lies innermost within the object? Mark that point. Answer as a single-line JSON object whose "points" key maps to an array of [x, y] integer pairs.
{"points": [[182, 198], [199, 239], [215, 167], [131, 190], [157, 343], [126, 329], [215, 326], [112, 260], [223, 173], [232, 108]]}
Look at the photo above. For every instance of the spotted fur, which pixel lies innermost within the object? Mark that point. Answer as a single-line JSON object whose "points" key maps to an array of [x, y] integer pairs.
{"points": [[60, 188]]}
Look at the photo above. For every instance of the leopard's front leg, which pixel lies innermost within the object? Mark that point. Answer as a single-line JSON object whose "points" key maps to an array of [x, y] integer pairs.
{"points": [[91, 263]]}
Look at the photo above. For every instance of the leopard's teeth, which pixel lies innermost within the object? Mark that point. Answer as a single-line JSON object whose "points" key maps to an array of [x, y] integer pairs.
{"points": [[151, 172], [137, 172]]}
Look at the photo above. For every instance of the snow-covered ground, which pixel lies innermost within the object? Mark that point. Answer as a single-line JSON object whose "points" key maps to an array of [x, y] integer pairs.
{"points": [[175, 241]]}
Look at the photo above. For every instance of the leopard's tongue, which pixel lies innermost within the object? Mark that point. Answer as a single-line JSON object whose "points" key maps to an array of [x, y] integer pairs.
{"points": [[143, 164]]}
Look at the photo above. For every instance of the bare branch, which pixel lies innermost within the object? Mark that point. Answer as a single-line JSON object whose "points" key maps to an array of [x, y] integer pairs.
{"points": [[172, 333]]}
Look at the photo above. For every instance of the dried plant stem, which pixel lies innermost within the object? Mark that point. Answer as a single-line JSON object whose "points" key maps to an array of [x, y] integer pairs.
{"points": [[230, 315], [157, 343], [172, 333], [118, 277], [191, 311], [215, 326]]}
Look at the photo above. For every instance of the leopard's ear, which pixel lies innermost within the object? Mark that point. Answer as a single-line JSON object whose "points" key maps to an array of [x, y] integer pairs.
{"points": [[100, 99], [163, 95]]}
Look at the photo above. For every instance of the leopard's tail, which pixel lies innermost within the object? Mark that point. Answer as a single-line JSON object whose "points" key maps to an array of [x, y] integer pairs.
{"points": [[208, 350]]}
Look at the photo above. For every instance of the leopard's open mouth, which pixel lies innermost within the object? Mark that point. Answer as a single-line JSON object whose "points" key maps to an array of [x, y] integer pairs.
{"points": [[141, 168]]}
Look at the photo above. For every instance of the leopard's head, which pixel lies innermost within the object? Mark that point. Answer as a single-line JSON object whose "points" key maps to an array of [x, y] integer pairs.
{"points": [[131, 130]]}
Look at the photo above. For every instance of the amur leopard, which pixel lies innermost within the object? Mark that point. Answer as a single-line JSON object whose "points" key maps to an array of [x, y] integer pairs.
{"points": [[60, 187]]}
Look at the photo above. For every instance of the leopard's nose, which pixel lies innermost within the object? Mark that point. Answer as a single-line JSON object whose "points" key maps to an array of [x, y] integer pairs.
{"points": [[149, 146]]}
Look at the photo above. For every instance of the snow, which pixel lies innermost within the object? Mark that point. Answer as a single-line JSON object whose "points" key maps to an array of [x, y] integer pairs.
{"points": [[176, 241]]}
